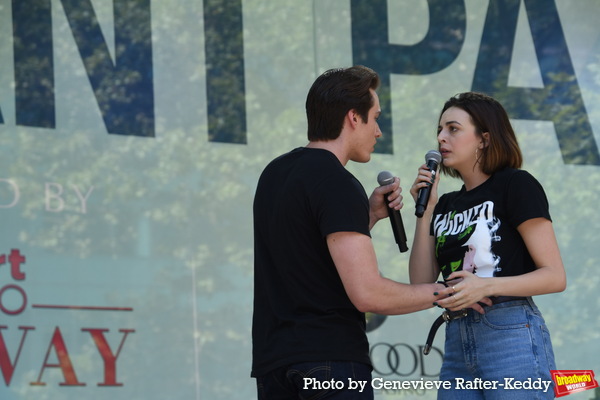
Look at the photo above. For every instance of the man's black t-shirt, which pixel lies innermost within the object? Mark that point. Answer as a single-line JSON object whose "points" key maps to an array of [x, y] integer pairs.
{"points": [[301, 310], [476, 230]]}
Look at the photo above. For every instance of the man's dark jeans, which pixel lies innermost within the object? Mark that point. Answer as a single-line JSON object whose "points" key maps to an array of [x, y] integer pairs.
{"points": [[332, 380]]}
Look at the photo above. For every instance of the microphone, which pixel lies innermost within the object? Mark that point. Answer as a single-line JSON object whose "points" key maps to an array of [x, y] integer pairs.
{"points": [[386, 178], [432, 159]]}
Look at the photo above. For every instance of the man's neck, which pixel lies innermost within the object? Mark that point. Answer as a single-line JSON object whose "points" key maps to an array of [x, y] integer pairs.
{"points": [[334, 146]]}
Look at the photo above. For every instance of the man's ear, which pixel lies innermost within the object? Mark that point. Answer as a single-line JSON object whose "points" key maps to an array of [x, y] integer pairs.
{"points": [[353, 117]]}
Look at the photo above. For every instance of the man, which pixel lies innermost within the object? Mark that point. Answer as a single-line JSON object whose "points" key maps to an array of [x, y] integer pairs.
{"points": [[316, 273]]}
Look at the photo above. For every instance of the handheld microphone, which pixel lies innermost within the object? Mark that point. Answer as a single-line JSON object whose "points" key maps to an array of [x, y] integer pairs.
{"points": [[432, 159], [386, 178]]}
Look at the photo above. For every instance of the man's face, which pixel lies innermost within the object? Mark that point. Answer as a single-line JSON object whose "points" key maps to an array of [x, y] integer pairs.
{"points": [[365, 136]]}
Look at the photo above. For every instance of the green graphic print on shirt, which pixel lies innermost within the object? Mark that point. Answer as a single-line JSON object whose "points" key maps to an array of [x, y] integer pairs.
{"points": [[464, 240]]}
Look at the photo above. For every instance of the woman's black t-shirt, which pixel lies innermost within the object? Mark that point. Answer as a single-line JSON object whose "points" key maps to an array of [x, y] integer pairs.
{"points": [[476, 230]]}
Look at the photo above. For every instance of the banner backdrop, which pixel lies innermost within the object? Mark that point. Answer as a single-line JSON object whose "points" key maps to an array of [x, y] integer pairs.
{"points": [[132, 135]]}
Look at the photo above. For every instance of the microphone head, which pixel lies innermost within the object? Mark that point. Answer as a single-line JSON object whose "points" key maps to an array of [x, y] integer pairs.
{"points": [[385, 178], [433, 155]]}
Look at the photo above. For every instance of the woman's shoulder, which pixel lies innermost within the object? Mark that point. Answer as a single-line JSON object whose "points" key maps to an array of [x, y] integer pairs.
{"points": [[515, 176]]}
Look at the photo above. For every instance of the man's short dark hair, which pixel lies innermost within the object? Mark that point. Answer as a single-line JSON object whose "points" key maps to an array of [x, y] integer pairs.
{"points": [[333, 94]]}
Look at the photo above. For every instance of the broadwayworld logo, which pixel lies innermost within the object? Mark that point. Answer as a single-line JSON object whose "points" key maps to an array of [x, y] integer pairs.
{"points": [[571, 381]]}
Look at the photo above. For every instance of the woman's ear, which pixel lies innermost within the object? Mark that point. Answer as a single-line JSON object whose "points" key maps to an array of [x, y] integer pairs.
{"points": [[485, 140]]}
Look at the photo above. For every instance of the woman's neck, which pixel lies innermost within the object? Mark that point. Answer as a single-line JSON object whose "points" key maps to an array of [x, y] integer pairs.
{"points": [[472, 179]]}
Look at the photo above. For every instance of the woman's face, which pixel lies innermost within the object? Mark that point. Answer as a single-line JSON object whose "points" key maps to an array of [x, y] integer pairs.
{"points": [[458, 140]]}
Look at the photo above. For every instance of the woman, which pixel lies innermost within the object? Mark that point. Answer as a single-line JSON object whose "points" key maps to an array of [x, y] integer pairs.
{"points": [[491, 240]]}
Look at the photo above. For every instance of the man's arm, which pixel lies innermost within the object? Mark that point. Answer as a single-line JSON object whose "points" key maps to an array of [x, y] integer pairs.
{"points": [[355, 260]]}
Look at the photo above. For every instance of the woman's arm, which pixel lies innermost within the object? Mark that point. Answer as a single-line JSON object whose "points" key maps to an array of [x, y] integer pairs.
{"points": [[422, 266]]}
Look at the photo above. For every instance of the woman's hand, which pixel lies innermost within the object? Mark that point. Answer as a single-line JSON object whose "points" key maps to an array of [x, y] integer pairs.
{"points": [[465, 290], [425, 177]]}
